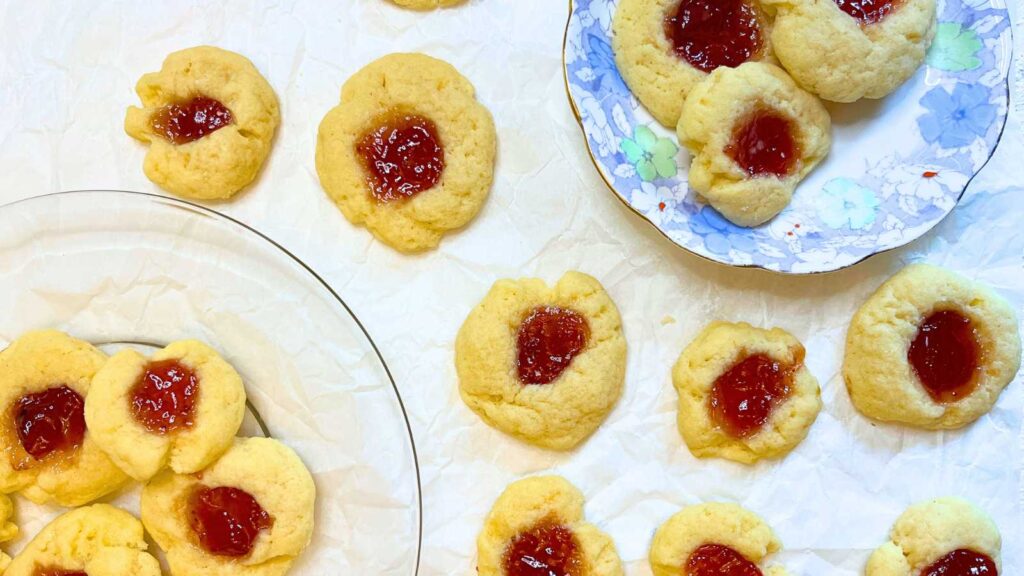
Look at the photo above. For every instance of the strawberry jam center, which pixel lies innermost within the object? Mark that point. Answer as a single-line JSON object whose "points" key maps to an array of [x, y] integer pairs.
{"points": [[962, 563], [189, 121], [742, 399], [50, 421], [718, 560], [713, 33], [227, 520], [164, 398], [401, 156], [945, 355], [868, 11], [548, 339], [547, 549], [763, 144], [57, 572]]}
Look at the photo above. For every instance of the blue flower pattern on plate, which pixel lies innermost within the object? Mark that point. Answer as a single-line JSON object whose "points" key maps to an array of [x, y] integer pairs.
{"points": [[953, 110], [956, 119]]}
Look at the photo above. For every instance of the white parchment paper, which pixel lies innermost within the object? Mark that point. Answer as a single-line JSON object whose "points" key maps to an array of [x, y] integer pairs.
{"points": [[66, 76]]}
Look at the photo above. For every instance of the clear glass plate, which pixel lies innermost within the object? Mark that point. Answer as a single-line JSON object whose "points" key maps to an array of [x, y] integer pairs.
{"points": [[121, 268]]}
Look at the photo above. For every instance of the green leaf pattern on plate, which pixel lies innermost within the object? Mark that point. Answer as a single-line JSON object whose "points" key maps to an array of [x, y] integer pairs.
{"points": [[653, 157], [955, 48]]}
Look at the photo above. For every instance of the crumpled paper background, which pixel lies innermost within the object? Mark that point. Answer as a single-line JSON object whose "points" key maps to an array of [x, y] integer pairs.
{"points": [[66, 77]]}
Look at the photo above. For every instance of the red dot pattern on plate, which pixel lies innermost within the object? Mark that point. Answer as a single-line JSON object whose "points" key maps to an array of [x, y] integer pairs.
{"points": [[402, 156], [742, 399], [547, 549], [962, 563], [227, 520], [868, 11], [547, 341], [164, 398], [713, 33], [57, 572], [189, 121], [718, 560], [50, 421], [764, 144], [945, 355]]}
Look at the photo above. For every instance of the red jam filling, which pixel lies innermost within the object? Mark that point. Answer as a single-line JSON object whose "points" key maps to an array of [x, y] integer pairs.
{"points": [[868, 11], [548, 339], [946, 356], [743, 398], [402, 156], [764, 144], [189, 121], [57, 572], [547, 549], [50, 421], [227, 520], [164, 398], [713, 33], [962, 563], [718, 560]]}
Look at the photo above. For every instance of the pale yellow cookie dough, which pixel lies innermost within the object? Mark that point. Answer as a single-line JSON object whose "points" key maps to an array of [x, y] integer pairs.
{"points": [[711, 113], [218, 412], [712, 523], [218, 165], [881, 381], [100, 540], [36, 362], [930, 530], [427, 4], [832, 55], [8, 529], [531, 501], [712, 353], [418, 84], [559, 415], [643, 53], [271, 473]]}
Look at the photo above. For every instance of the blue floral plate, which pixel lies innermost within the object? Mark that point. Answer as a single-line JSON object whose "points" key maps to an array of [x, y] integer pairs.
{"points": [[896, 168]]}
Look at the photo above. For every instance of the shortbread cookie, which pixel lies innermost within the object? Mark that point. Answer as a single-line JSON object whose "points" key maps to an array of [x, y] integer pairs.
{"points": [[942, 537], [409, 152], [754, 135], [48, 452], [744, 393], [704, 539], [543, 364], [930, 349], [663, 48], [8, 529], [536, 527], [427, 4], [181, 408], [97, 540], [209, 118], [249, 514], [845, 50]]}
